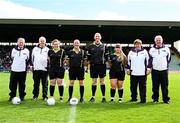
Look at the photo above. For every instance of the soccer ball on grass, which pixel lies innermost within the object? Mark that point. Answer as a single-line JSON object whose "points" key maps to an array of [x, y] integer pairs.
{"points": [[73, 101], [16, 101], [51, 101]]}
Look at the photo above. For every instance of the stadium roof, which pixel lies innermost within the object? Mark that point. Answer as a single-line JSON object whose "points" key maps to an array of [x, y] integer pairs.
{"points": [[67, 30], [90, 22]]}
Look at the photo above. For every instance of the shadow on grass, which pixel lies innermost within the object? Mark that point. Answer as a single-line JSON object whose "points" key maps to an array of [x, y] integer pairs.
{"points": [[40, 104], [117, 106]]}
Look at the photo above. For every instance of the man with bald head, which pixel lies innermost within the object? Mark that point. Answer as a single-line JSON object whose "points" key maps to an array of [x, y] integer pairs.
{"points": [[20, 57], [160, 57], [40, 64], [76, 60], [97, 56]]}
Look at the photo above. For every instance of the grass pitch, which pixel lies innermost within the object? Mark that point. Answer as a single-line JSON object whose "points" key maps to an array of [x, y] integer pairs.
{"points": [[38, 111]]}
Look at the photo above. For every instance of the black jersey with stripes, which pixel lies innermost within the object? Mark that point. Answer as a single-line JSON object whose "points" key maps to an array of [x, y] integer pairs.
{"points": [[97, 54], [76, 59], [116, 63], [56, 57]]}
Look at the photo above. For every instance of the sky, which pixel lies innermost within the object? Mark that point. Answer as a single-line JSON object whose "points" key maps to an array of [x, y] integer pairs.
{"points": [[143, 10]]}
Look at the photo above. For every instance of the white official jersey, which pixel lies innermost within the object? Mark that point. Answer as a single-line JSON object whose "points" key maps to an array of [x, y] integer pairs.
{"points": [[138, 61], [20, 58], [40, 58], [160, 58]]}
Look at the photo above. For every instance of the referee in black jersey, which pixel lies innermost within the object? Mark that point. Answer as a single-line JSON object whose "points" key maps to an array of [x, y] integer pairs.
{"points": [[117, 62], [56, 70], [97, 56], [76, 59]]}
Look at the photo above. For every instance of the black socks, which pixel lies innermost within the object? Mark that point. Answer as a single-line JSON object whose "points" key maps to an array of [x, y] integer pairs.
{"points": [[61, 90], [113, 92], [120, 92], [103, 90], [70, 91], [93, 90]]}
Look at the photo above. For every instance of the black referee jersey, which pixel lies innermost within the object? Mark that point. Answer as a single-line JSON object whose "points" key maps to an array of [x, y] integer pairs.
{"points": [[116, 63], [56, 58], [76, 59], [97, 54]]}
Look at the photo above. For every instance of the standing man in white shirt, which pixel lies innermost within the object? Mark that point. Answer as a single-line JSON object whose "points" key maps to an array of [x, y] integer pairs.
{"points": [[40, 66], [160, 58], [137, 68], [20, 57]]}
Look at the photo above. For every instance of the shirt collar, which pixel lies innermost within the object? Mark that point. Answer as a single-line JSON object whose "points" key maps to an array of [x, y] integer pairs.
{"points": [[75, 50], [56, 50], [97, 44], [117, 54]]}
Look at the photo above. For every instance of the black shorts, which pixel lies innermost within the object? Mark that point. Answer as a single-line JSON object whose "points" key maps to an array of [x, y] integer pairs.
{"points": [[76, 73], [119, 75], [56, 73], [98, 70]]}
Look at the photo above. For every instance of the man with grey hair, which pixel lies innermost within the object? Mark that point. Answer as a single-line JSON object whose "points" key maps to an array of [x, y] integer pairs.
{"points": [[40, 65], [160, 57], [20, 57]]}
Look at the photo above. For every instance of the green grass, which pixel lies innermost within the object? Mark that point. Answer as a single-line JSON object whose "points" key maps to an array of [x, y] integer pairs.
{"points": [[38, 111]]}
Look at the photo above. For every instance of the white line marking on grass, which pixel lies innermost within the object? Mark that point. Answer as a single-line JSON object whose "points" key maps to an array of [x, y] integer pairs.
{"points": [[72, 115]]}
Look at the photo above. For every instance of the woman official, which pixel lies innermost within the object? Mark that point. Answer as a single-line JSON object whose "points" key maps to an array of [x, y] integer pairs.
{"points": [[137, 64], [56, 71], [117, 62]]}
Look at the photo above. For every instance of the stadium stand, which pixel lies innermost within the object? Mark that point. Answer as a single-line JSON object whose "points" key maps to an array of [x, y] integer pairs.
{"points": [[174, 64], [175, 60], [5, 60]]}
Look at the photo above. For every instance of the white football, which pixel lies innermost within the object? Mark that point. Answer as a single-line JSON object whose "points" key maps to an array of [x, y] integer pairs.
{"points": [[16, 100], [51, 101], [73, 101]]}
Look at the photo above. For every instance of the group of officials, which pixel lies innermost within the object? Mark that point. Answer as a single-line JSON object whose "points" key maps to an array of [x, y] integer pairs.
{"points": [[50, 62]]}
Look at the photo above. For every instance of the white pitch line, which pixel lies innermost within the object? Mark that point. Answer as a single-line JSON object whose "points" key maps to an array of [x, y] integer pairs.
{"points": [[72, 115]]}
